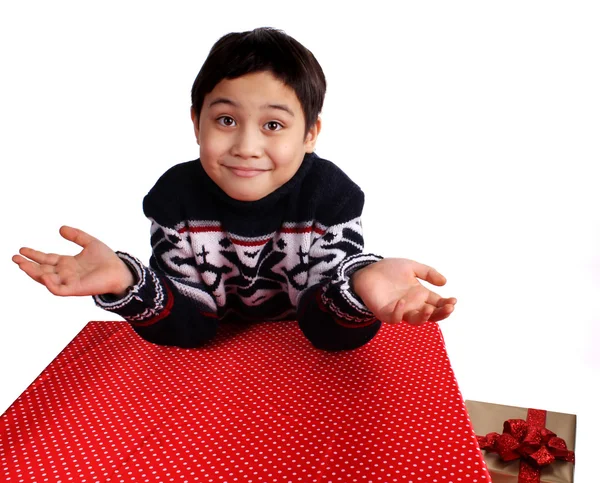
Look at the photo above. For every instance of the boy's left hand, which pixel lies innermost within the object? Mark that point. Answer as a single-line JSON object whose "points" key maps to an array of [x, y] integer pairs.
{"points": [[390, 288]]}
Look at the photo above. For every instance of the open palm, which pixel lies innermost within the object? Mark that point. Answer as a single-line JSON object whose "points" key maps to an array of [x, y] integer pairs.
{"points": [[390, 288], [96, 270]]}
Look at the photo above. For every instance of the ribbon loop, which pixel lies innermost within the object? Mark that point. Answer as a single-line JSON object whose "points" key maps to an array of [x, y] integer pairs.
{"points": [[523, 440]]}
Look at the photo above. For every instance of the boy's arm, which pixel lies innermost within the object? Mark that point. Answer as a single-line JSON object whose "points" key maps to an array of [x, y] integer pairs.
{"points": [[332, 316], [165, 305], [162, 306], [330, 313], [169, 303]]}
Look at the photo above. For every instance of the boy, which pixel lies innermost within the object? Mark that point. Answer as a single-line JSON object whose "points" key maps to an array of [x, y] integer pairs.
{"points": [[258, 228]]}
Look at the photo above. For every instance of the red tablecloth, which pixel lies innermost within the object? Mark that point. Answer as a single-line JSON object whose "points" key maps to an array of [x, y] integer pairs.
{"points": [[259, 404]]}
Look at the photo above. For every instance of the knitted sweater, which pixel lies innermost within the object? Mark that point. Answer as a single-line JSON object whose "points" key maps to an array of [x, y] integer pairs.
{"points": [[286, 256]]}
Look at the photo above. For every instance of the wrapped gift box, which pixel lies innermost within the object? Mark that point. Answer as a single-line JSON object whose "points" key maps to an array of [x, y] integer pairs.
{"points": [[487, 418], [257, 404]]}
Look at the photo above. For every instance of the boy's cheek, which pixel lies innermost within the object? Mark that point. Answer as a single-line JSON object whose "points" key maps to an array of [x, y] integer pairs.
{"points": [[212, 149], [285, 153], [212, 138]]}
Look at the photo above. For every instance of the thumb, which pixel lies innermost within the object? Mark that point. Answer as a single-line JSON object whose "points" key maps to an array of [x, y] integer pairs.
{"points": [[429, 274], [76, 236]]}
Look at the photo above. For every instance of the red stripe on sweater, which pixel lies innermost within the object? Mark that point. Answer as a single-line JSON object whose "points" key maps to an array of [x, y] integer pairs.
{"points": [[163, 313], [304, 229], [219, 229], [247, 243], [200, 229], [209, 314]]}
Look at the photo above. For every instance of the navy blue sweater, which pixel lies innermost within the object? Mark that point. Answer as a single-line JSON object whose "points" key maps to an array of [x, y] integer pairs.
{"points": [[286, 256]]}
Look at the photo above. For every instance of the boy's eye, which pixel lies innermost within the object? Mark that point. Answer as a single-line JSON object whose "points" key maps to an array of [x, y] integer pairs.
{"points": [[273, 126], [226, 121]]}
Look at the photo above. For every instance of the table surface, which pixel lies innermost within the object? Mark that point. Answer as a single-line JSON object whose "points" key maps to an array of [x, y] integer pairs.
{"points": [[257, 404]]}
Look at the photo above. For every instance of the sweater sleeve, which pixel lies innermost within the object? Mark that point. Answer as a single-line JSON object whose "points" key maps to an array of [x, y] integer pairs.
{"points": [[166, 306], [169, 303], [330, 314]]}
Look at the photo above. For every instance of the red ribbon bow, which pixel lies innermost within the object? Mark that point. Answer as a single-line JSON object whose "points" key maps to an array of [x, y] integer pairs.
{"points": [[529, 441]]}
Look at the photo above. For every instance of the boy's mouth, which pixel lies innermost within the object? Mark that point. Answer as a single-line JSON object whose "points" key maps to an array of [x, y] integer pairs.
{"points": [[246, 172]]}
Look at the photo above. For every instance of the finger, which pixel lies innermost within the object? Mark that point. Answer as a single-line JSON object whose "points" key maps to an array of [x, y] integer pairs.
{"points": [[418, 317], [18, 259], [392, 313], [40, 257], [398, 313], [429, 274], [437, 301], [76, 235], [413, 317], [448, 301], [51, 281], [30, 268], [54, 284], [440, 302], [442, 313]]}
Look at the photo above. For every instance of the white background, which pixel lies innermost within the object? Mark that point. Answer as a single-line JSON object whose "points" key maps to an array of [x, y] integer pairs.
{"points": [[472, 127]]}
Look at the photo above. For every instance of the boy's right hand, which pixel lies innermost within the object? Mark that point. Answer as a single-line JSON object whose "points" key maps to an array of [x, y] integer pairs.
{"points": [[97, 270]]}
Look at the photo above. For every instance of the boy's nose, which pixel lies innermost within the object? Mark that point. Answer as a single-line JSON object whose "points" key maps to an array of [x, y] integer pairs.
{"points": [[247, 144]]}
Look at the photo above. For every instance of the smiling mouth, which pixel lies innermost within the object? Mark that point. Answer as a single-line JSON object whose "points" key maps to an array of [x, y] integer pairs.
{"points": [[246, 172]]}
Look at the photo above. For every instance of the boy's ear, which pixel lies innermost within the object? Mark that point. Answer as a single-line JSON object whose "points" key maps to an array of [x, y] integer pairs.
{"points": [[196, 121], [312, 135]]}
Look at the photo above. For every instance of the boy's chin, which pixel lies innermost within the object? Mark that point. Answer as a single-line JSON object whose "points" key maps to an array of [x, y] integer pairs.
{"points": [[248, 195], [249, 190]]}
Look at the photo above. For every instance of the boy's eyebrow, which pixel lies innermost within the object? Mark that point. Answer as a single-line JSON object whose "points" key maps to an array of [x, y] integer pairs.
{"points": [[281, 107], [225, 100]]}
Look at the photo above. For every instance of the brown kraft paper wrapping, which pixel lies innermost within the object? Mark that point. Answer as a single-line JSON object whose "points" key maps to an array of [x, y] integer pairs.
{"points": [[488, 417]]}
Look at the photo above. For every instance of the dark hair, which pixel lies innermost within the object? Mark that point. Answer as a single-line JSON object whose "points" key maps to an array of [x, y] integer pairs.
{"points": [[264, 49]]}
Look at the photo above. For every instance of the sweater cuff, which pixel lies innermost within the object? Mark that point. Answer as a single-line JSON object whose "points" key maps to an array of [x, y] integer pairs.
{"points": [[143, 301], [338, 297]]}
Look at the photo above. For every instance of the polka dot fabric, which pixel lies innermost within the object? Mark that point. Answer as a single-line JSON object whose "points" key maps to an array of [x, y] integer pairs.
{"points": [[259, 404]]}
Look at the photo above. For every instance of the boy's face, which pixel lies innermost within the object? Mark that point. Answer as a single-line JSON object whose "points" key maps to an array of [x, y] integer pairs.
{"points": [[251, 135]]}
